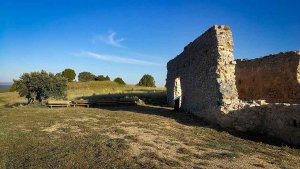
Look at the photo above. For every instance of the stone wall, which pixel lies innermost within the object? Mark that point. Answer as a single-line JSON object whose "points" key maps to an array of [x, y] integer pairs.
{"points": [[206, 72], [274, 78], [279, 120], [203, 79]]}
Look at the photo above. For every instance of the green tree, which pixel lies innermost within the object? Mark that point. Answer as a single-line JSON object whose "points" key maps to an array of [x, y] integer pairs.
{"points": [[119, 81], [40, 86], [147, 80], [107, 78], [69, 74], [86, 76], [102, 78]]}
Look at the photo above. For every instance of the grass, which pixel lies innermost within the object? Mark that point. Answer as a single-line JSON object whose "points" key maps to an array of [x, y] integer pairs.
{"points": [[4, 90], [10, 98], [80, 89], [125, 137], [98, 90], [158, 98]]}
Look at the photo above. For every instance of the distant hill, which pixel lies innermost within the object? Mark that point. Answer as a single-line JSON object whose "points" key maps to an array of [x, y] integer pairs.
{"points": [[5, 83], [4, 86]]}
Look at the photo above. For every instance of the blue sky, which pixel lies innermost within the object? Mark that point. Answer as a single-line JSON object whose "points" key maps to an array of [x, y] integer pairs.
{"points": [[132, 38]]}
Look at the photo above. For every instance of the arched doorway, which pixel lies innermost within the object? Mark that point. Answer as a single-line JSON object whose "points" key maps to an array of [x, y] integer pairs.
{"points": [[177, 94]]}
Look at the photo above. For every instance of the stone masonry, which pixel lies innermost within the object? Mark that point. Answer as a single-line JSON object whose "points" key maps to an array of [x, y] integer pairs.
{"points": [[202, 80], [274, 78]]}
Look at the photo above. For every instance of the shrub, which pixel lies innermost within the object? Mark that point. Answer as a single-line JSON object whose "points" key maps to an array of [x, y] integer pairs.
{"points": [[40, 86], [86, 76], [69, 74], [147, 80], [102, 78], [119, 81]]}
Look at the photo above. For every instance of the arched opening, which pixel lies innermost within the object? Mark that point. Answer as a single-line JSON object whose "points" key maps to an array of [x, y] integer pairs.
{"points": [[177, 94]]}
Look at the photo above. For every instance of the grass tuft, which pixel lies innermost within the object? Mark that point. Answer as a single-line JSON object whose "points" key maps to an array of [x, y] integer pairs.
{"points": [[117, 144]]}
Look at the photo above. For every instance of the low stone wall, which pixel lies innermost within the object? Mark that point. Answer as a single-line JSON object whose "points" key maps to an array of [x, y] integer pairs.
{"points": [[274, 78], [275, 119]]}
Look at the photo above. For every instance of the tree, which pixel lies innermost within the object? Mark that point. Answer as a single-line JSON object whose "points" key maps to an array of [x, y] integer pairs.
{"points": [[58, 74], [102, 78], [119, 81], [86, 76], [147, 80], [69, 74], [40, 86], [107, 78]]}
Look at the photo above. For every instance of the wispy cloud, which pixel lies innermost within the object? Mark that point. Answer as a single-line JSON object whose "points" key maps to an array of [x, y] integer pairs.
{"points": [[118, 59], [110, 40]]}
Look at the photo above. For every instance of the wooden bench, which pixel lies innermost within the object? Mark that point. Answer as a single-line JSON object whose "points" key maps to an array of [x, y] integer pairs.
{"points": [[81, 102], [58, 103]]}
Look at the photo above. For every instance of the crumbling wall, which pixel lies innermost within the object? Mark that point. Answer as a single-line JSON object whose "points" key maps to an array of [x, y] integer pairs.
{"points": [[206, 71], [279, 120], [203, 77], [274, 78]]}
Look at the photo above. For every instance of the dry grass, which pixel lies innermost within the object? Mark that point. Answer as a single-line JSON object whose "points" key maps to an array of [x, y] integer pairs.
{"points": [[10, 98], [92, 89], [80, 89], [124, 137]]}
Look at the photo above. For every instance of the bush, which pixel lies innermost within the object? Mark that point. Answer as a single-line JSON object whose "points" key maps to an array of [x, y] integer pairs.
{"points": [[13, 88], [69, 74], [86, 76], [119, 81], [147, 80], [102, 78], [40, 86]]}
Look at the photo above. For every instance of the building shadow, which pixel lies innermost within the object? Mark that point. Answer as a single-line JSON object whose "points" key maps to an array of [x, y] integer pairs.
{"points": [[152, 98], [189, 119]]}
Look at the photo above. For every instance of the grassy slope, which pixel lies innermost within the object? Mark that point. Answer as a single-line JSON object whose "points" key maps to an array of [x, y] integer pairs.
{"points": [[92, 89], [10, 98], [124, 137], [79, 89]]}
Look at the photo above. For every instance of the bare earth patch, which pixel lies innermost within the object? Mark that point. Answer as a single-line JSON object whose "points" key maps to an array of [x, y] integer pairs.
{"points": [[53, 128]]}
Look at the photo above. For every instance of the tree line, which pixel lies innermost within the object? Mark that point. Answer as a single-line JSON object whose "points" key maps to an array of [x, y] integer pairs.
{"points": [[70, 75], [39, 86], [147, 80]]}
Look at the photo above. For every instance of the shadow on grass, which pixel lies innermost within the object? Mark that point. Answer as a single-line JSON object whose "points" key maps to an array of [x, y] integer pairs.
{"points": [[157, 106], [192, 120], [151, 98]]}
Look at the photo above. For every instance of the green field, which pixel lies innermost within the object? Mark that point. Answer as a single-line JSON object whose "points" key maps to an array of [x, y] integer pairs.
{"points": [[148, 136]]}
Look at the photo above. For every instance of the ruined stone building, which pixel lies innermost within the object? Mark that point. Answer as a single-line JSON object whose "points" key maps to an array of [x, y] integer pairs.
{"points": [[259, 95]]}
